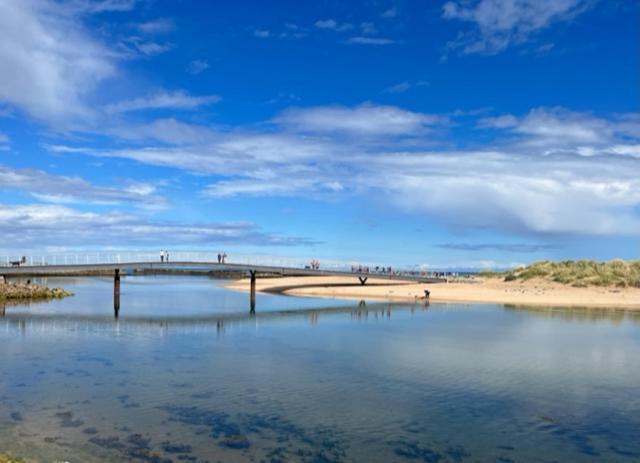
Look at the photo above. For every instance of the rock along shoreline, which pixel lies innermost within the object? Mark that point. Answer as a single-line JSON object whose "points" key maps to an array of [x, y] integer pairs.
{"points": [[26, 292]]}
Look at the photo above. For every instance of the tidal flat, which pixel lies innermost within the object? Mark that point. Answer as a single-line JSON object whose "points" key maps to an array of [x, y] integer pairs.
{"points": [[186, 373]]}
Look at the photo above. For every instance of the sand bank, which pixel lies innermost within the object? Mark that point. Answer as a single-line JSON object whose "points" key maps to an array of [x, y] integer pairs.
{"points": [[532, 292]]}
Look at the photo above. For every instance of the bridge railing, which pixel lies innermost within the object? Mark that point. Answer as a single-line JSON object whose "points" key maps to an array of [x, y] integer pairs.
{"points": [[118, 257], [128, 256]]}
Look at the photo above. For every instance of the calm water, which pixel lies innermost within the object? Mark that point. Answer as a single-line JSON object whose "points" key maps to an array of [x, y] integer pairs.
{"points": [[185, 374]]}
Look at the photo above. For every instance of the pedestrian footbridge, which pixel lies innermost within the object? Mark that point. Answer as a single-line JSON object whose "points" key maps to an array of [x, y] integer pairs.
{"points": [[251, 270]]}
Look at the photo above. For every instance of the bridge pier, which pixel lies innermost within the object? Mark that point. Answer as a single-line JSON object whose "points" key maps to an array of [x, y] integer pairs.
{"points": [[252, 300], [116, 293], [363, 280]]}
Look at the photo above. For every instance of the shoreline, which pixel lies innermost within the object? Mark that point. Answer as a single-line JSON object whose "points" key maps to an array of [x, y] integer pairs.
{"points": [[474, 290]]}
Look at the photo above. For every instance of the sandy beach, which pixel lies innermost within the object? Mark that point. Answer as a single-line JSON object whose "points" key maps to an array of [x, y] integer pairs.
{"points": [[484, 290]]}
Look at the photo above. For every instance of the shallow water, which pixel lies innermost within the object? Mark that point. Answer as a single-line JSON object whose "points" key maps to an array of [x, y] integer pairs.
{"points": [[186, 374]]}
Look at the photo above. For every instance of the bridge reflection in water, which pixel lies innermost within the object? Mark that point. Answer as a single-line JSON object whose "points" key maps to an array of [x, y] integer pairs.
{"points": [[39, 322]]}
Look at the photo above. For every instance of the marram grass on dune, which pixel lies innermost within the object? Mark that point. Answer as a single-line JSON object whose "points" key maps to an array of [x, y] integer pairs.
{"points": [[578, 273]]}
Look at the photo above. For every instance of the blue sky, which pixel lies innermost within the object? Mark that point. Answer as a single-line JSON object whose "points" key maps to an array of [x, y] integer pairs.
{"points": [[460, 134]]}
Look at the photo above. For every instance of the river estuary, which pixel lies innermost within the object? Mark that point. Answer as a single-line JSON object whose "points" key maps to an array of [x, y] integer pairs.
{"points": [[187, 374]]}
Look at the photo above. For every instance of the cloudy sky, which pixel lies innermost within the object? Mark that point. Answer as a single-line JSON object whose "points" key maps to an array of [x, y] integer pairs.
{"points": [[464, 133]]}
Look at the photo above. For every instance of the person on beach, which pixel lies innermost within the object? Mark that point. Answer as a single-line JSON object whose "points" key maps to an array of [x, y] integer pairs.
{"points": [[161, 256]]}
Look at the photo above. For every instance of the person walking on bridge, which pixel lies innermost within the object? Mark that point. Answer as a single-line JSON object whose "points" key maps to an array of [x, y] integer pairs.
{"points": [[161, 256]]}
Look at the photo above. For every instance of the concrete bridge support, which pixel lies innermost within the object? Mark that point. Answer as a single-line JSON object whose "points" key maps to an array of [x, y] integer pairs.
{"points": [[116, 293], [252, 297]]}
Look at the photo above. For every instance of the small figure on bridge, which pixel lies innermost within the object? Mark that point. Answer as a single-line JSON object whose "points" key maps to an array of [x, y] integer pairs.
{"points": [[161, 256], [224, 257], [166, 256], [18, 263], [219, 258]]}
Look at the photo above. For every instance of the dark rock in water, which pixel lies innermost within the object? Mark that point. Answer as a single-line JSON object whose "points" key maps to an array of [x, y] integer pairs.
{"points": [[624, 452], [181, 385], [16, 416], [322, 457], [505, 447], [67, 421], [175, 448], [187, 458], [202, 395], [415, 451], [138, 440], [457, 453], [219, 422], [57, 441], [137, 453], [108, 442], [91, 431], [236, 441]]}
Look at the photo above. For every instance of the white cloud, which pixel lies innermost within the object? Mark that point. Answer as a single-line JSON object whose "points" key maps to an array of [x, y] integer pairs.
{"points": [[4, 142], [499, 122], [497, 24], [169, 130], [137, 46], [370, 41], [35, 224], [390, 13], [67, 190], [557, 130], [362, 120], [157, 26], [368, 28], [197, 66], [54, 64], [406, 85], [262, 33], [334, 25], [163, 100], [399, 88], [550, 171], [520, 193], [101, 6]]}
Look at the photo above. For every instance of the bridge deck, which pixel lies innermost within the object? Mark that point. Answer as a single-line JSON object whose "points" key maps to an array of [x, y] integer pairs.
{"points": [[61, 270]]}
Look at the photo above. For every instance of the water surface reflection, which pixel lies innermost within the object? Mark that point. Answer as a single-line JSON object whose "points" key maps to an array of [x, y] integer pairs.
{"points": [[189, 375]]}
